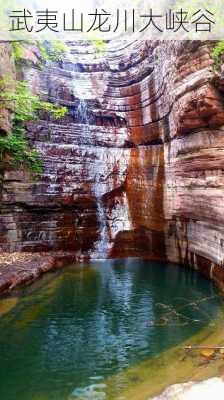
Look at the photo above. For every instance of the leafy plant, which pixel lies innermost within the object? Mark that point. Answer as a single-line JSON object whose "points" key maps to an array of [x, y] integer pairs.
{"points": [[217, 53], [53, 50], [14, 148], [100, 45], [26, 105], [18, 51]]}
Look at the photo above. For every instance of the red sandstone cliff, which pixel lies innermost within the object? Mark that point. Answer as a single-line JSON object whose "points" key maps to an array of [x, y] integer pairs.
{"points": [[135, 168]]}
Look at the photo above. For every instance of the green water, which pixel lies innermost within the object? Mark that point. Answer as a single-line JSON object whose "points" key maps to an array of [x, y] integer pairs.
{"points": [[70, 331]]}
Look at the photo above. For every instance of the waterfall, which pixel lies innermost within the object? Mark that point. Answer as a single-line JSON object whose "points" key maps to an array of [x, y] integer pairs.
{"points": [[82, 112], [101, 247]]}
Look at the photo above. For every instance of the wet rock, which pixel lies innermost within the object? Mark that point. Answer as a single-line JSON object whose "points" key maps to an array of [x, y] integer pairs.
{"points": [[135, 168], [207, 353], [212, 388], [22, 269], [92, 392]]}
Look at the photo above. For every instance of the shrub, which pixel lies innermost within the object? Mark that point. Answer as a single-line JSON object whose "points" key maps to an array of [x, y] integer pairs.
{"points": [[100, 45], [18, 51], [53, 50], [14, 147], [217, 52]]}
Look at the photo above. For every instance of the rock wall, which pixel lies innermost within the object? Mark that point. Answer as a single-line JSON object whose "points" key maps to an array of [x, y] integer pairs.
{"points": [[194, 194], [7, 75], [135, 168]]}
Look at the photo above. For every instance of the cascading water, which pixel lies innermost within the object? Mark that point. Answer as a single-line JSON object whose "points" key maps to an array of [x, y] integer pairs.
{"points": [[104, 161], [82, 112], [102, 245]]}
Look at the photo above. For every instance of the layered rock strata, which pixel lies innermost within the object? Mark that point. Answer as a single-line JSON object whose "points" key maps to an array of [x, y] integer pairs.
{"points": [[7, 76], [136, 166]]}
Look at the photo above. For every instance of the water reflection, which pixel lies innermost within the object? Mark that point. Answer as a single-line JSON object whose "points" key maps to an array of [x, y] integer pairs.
{"points": [[92, 321]]}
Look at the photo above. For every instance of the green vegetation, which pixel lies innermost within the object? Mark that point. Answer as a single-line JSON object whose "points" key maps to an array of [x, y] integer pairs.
{"points": [[217, 53], [25, 104], [53, 50], [14, 148], [17, 97], [18, 51], [100, 45]]}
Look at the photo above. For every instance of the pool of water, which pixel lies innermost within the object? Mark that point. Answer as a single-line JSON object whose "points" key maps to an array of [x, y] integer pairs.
{"points": [[64, 336]]}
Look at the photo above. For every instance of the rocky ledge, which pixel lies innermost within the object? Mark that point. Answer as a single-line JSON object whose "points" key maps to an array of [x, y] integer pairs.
{"points": [[21, 269], [136, 166]]}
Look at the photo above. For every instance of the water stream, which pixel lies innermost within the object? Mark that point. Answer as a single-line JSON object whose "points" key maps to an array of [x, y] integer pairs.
{"points": [[102, 245], [82, 112]]}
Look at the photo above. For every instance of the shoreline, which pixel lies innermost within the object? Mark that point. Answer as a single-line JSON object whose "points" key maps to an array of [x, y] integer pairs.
{"points": [[142, 381], [18, 269], [23, 269], [153, 377]]}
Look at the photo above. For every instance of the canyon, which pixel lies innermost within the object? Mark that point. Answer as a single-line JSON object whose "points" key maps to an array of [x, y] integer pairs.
{"points": [[134, 169]]}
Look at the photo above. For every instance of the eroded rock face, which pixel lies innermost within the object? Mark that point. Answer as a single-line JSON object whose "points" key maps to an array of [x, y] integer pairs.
{"points": [[84, 199], [135, 168], [7, 74], [193, 191]]}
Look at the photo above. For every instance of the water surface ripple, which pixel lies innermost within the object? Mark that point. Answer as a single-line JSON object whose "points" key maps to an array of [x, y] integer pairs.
{"points": [[71, 331]]}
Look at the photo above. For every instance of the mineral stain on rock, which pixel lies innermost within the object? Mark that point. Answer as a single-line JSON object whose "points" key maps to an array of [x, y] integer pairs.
{"points": [[156, 198], [134, 169]]}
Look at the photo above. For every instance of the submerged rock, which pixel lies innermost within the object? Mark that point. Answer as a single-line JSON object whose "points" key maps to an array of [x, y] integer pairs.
{"points": [[92, 392], [207, 353]]}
